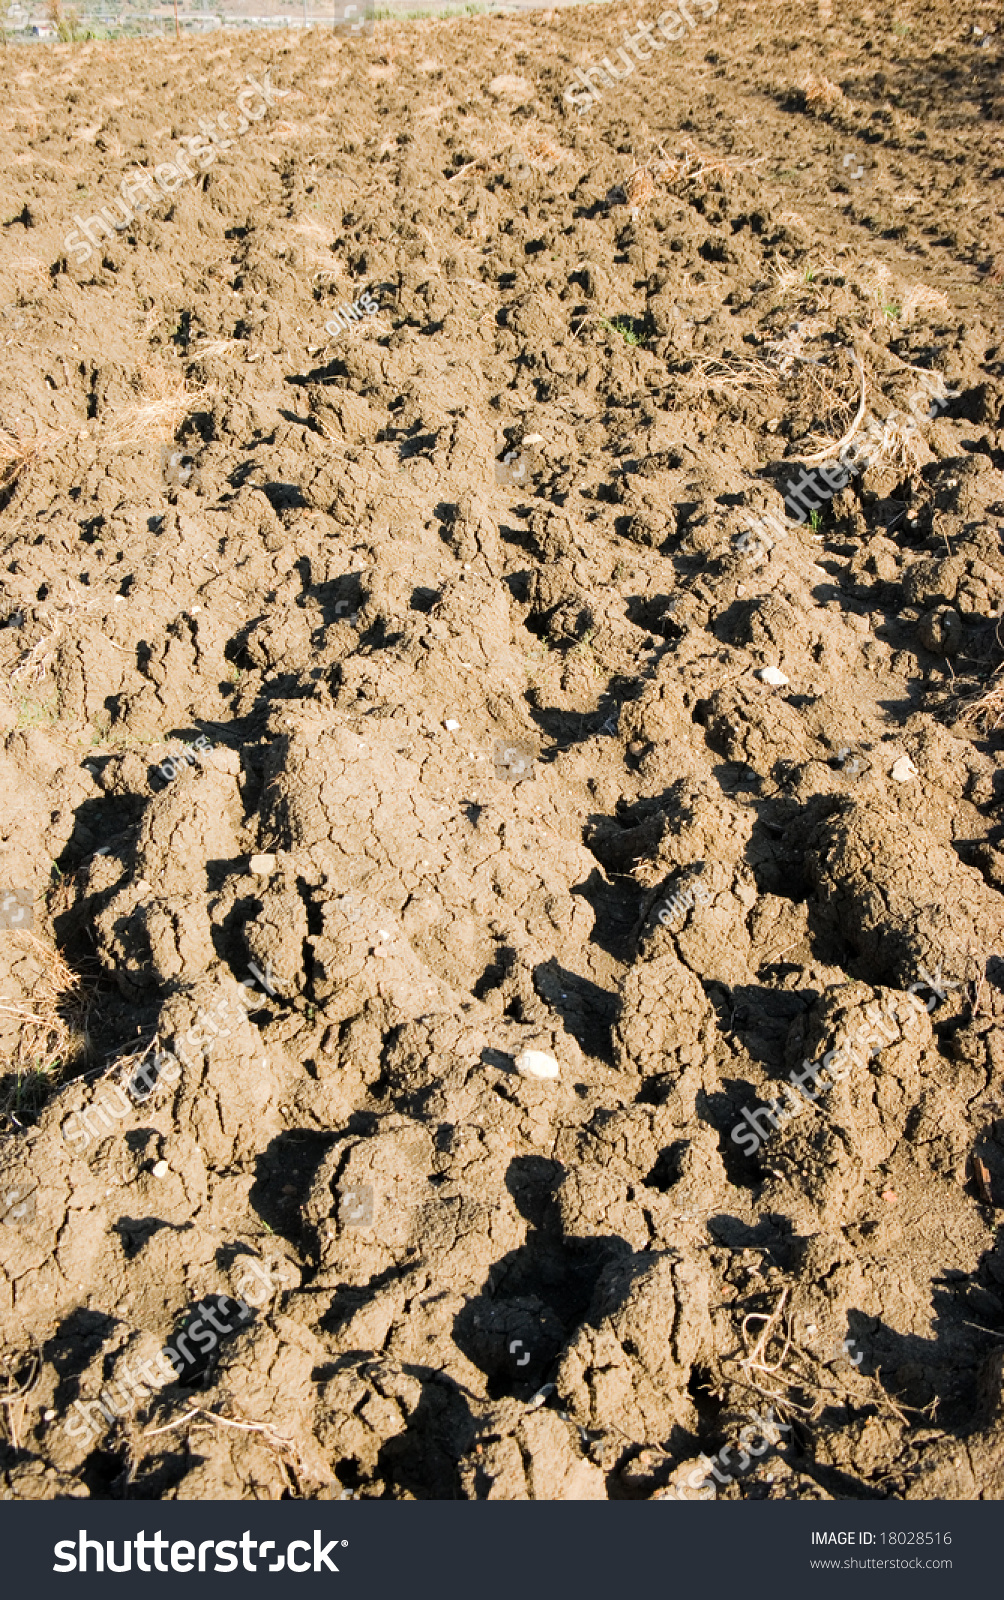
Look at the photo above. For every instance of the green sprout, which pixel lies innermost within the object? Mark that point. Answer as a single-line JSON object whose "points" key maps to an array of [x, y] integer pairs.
{"points": [[623, 327], [815, 521]]}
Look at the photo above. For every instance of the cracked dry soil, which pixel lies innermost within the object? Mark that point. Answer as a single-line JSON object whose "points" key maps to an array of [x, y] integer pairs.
{"points": [[331, 585]]}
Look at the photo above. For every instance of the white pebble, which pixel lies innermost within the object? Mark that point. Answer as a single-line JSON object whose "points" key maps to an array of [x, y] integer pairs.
{"points": [[451, 726], [261, 866], [903, 770], [536, 1064], [49, 1415], [774, 676], [161, 1169]]}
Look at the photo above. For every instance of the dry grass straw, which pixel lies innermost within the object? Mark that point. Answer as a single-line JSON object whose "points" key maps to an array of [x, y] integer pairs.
{"points": [[164, 398], [639, 188], [786, 278], [820, 94], [897, 305], [19, 455], [17, 1389], [198, 1419], [34, 663], [895, 444], [691, 167], [760, 1371], [540, 149], [986, 708], [688, 167], [214, 347], [532, 147], [733, 374], [52, 1027], [834, 448], [921, 299]]}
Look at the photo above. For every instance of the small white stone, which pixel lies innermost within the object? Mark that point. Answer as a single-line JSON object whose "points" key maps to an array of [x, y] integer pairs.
{"points": [[536, 1064], [451, 726], [48, 1415], [261, 866], [144, 887], [774, 676], [903, 770], [161, 1169]]}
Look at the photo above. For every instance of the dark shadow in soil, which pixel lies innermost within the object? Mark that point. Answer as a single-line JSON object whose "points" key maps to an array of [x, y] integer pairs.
{"points": [[290, 1162], [284, 497], [350, 1298], [423, 1459], [533, 1297], [136, 1231], [587, 1012], [195, 1344], [569, 728], [616, 908]]}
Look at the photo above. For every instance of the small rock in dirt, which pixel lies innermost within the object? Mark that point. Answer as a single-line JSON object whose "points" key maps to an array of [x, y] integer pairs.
{"points": [[536, 1064], [774, 676], [261, 866], [903, 770], [940, 631], [160, 1169], [451, 726]]}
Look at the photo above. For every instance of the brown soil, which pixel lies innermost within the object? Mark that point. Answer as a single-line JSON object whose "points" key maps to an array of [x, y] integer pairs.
{"points": [[219, 521]]}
